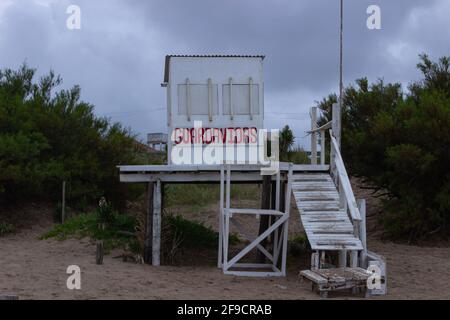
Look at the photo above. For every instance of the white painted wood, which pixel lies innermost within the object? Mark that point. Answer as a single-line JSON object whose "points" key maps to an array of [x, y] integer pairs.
{"points": [[221, 207], [156, 243], [322, 147], [336, 123], [253, 244], [362, 231], [255, 211], [380, 261], [219, 69], [326, 126], [188, 99], [344, 182], [277, 191], [353, 259], [313, 135], [310, 275], [251, 238], [250, 86], [230, 82], [210, 100], [235, 167], [254, 273]]}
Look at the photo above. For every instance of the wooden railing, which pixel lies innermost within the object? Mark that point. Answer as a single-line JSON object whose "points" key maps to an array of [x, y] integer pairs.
{"points": [[339, 173], [314, 131], [337, 167]]}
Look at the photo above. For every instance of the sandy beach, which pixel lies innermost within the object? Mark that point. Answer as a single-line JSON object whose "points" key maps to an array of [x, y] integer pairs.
{"points": [[36, 269]]}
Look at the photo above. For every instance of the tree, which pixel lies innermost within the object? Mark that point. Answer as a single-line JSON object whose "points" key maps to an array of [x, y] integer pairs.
{"points": [[48, 136], [287, 140], [398, 141]]}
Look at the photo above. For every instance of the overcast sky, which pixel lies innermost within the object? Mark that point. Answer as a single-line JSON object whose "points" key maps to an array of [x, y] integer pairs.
{"points": [[117, 57]]}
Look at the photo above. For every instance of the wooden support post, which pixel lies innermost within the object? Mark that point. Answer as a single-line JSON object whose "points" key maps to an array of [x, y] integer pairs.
{"points": [[99, 253], [353, 258], [265, 204], [315, 260], [336, 123], [342, 258], [156, 243], [221, 207], [313, 135], [322, 147], [148, 223], [63, 204], [362, 231]]}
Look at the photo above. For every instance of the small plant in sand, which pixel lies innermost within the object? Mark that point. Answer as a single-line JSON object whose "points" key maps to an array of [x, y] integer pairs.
{"points": [[105, 213], [5, 228]]}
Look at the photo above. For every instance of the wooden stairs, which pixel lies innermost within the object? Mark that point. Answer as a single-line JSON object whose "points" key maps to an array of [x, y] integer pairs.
{"points": [[327, 226]]}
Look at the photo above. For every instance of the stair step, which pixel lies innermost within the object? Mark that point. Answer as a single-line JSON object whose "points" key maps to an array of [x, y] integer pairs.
{"points": [[297, 184], [325, 188]]}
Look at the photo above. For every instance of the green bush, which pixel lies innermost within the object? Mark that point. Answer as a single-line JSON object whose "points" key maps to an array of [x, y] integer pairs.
{"points": [[194, 234], [399, 142], [105, 212], [47, 136], [87, 225], [5, 228]]}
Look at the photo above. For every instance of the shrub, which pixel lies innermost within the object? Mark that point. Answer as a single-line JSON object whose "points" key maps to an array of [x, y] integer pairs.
{"points": [[47, 136], [398, 141], [5, 228], [86, 225]]}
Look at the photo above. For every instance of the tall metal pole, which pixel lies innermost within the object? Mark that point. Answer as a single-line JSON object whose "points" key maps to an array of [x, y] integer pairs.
{"points": [[341, 85]]}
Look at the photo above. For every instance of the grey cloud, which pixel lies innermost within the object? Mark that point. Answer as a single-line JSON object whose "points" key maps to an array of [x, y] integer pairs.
{"points": [[117, 57]]}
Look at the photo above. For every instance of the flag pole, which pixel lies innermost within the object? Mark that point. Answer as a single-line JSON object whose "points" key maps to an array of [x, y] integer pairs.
{"points": [[341, 86]]}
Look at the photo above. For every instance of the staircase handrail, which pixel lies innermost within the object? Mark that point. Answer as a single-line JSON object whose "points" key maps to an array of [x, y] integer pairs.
{"points": [[344, 181]]}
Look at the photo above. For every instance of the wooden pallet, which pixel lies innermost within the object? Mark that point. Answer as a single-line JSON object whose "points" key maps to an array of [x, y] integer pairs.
{"points": [[326, 280]]}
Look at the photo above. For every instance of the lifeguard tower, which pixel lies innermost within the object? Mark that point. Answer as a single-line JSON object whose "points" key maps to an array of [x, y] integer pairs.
{"points": [[215, 116]]}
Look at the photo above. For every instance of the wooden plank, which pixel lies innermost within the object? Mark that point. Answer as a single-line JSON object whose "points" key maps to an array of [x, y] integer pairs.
{"points": [[331, 212], [322, 146], [311, 176], [252, 245], [331, 237], [344, 182], [321, 246], [310, 167], [313, 276], [313, 135], [313, 188], [206, 167], [255, 211], [313, 183], [264, 219], [362, 232], [156, 244], [330, 219], [221, 208], [148, 224], [319, 205]]}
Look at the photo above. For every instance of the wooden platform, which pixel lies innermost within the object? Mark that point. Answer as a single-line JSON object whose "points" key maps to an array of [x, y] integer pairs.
{"points": [[206, 173], [327, 226], [326, 280]]}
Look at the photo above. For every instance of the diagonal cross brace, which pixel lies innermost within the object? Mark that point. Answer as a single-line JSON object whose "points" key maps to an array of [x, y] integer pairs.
{"points": [[252, 245], [251, 238]]}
